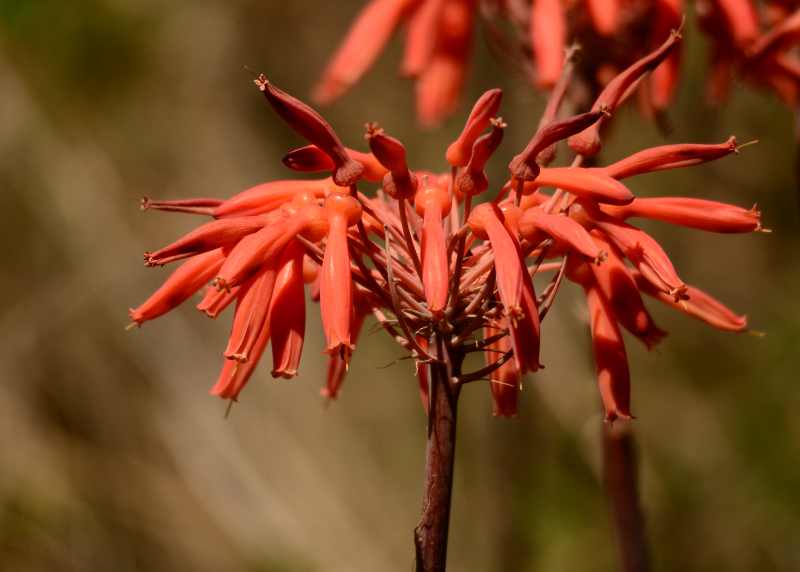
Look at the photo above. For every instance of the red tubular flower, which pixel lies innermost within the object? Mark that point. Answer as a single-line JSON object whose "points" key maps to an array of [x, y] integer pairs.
{"points": [[337, 364], [312, 159], [610, 358], [336, 296], [250, 319], [216, 301], [699, 305], [701, 214], [472, 180], [588, 184], [618, 286], [587, 142], [180, 286], [605, 15], [487, 106], [741, 19], [364, 42], [485, 223], [563, 229], [504, 382], [310, 124], [548, 35], [264, 246], [421, 37], [611, 361], [664, 79], [440, 84], [646, 254], [668, 157], [268, 197], [235, 374], [210, 236], [287, 313], [433, 203]]}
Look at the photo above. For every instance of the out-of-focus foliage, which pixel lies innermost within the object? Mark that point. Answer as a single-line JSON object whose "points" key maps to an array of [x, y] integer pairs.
{"points": [[112, 455]]}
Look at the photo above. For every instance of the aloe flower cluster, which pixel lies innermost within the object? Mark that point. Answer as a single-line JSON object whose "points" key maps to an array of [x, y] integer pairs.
{"points": [[445, 262], [754, 41]]}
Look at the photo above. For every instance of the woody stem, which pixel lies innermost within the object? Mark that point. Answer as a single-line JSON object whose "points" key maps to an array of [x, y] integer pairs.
{"points": [[430, 534], [621, 483]]}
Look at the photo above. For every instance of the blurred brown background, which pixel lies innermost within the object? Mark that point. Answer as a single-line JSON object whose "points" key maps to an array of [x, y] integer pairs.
{"points": [[113, 456]]}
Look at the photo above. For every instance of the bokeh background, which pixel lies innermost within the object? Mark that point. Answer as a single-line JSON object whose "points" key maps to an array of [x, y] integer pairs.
{"points": [[113, 456]]}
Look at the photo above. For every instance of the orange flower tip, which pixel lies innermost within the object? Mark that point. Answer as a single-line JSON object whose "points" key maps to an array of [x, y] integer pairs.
{"points": [[145, 203], [133, 325]]}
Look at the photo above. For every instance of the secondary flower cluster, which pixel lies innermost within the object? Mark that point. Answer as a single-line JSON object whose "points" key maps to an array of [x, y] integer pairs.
{"points": [[757, 44], [444, 275]]}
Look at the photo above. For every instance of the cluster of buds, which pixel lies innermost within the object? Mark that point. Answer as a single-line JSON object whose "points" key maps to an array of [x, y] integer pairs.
{"points": [[443, 273], [756, 43]]}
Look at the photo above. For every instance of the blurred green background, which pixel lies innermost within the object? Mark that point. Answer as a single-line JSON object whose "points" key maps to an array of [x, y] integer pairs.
{"points": [[113, 456]]}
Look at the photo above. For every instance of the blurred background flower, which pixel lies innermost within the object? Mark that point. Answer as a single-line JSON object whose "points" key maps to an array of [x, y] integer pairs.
{"points": [[113, 456]]}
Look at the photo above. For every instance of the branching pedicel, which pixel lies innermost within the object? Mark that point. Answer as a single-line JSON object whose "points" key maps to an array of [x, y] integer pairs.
{"points": [[442, 275]]}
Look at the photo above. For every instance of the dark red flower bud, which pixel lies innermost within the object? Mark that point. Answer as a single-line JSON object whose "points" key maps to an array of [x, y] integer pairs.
{"points": [[310, 124], [524, 166]]}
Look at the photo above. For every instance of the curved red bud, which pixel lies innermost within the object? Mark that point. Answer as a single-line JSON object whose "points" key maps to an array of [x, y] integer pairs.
{"points": [[311, 159], [472, 180], [310, 125], [487, 106], [399, 183], [587, 142]]}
